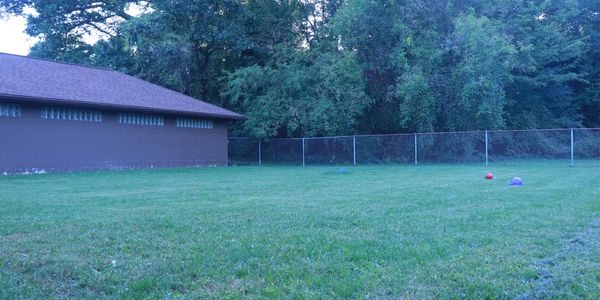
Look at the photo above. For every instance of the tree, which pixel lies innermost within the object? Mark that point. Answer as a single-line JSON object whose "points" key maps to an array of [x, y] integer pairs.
{"points": [[485, 60], [62, 25], [417, 102], [549, 50], [589, 91], [307, 97]]}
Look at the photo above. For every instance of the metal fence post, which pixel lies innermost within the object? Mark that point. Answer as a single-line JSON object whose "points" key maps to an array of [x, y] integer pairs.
{"points": [[354, 149], [572, 148], [415, 148], [259, 153], [303, 162], [486, 149]]}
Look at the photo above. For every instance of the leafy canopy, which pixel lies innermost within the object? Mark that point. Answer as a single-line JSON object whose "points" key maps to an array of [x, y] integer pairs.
{"points": [[325, 67]]}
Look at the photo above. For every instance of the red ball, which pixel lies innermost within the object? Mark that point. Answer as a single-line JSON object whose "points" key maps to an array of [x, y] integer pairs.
{"points": [[489, 176]]}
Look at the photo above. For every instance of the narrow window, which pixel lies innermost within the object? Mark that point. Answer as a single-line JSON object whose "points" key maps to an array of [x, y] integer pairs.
{"points": [[194, 123], [10, 110], [70, 114], [138, 119]]}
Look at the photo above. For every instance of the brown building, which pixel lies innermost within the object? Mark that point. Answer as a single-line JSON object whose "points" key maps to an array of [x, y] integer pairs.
{"points": [[64, 117]]}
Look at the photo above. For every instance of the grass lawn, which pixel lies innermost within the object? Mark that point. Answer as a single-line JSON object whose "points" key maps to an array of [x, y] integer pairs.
{"points": [[437, 231]]}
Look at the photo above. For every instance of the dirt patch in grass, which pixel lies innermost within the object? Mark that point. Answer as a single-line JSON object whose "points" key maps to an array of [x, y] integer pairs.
{"points": [[19, 237], [551, 275]]}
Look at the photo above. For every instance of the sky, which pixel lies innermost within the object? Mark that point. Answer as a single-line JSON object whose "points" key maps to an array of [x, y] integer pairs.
{"points": [[13, 38]]}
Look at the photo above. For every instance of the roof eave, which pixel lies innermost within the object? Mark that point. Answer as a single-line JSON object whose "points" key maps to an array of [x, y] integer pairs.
{"points": [[30, 99]]}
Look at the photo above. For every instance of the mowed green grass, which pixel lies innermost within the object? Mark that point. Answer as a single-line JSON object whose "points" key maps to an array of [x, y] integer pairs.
{"points": [[437, 231]]}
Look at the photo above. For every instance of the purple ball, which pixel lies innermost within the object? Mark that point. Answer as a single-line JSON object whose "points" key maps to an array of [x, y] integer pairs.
{"points": [[516, 181]]}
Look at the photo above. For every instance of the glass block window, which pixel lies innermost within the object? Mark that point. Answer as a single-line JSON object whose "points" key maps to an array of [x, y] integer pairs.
{"points": [[71, 114], [10, 110], [138, 119], [194, 123]]}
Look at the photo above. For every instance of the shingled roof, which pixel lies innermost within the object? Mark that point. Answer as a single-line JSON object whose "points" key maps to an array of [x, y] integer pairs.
{"points": [[30, 79]]}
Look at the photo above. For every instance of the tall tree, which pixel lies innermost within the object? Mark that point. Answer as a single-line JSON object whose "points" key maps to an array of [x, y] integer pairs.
{"points": [[484, 61], [589, 92], [312, 95], [550, 48], [62, 25]]}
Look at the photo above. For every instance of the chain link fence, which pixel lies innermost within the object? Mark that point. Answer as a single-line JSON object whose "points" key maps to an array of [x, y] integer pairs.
{"points": [[569, 146], [553, 144]]}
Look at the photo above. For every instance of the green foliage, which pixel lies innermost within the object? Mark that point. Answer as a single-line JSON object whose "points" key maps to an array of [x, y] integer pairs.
{"points": [[550, 49], [324, 96], [417, 102], [320, 67], [62, 25], [250, 91], [485, 59]]}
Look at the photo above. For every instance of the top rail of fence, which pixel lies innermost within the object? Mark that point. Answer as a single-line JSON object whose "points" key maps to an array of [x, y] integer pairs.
{"points": [[421, 133]]}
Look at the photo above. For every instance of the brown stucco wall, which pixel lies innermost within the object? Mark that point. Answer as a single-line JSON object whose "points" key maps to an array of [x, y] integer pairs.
{"points": [[29, 142]]}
